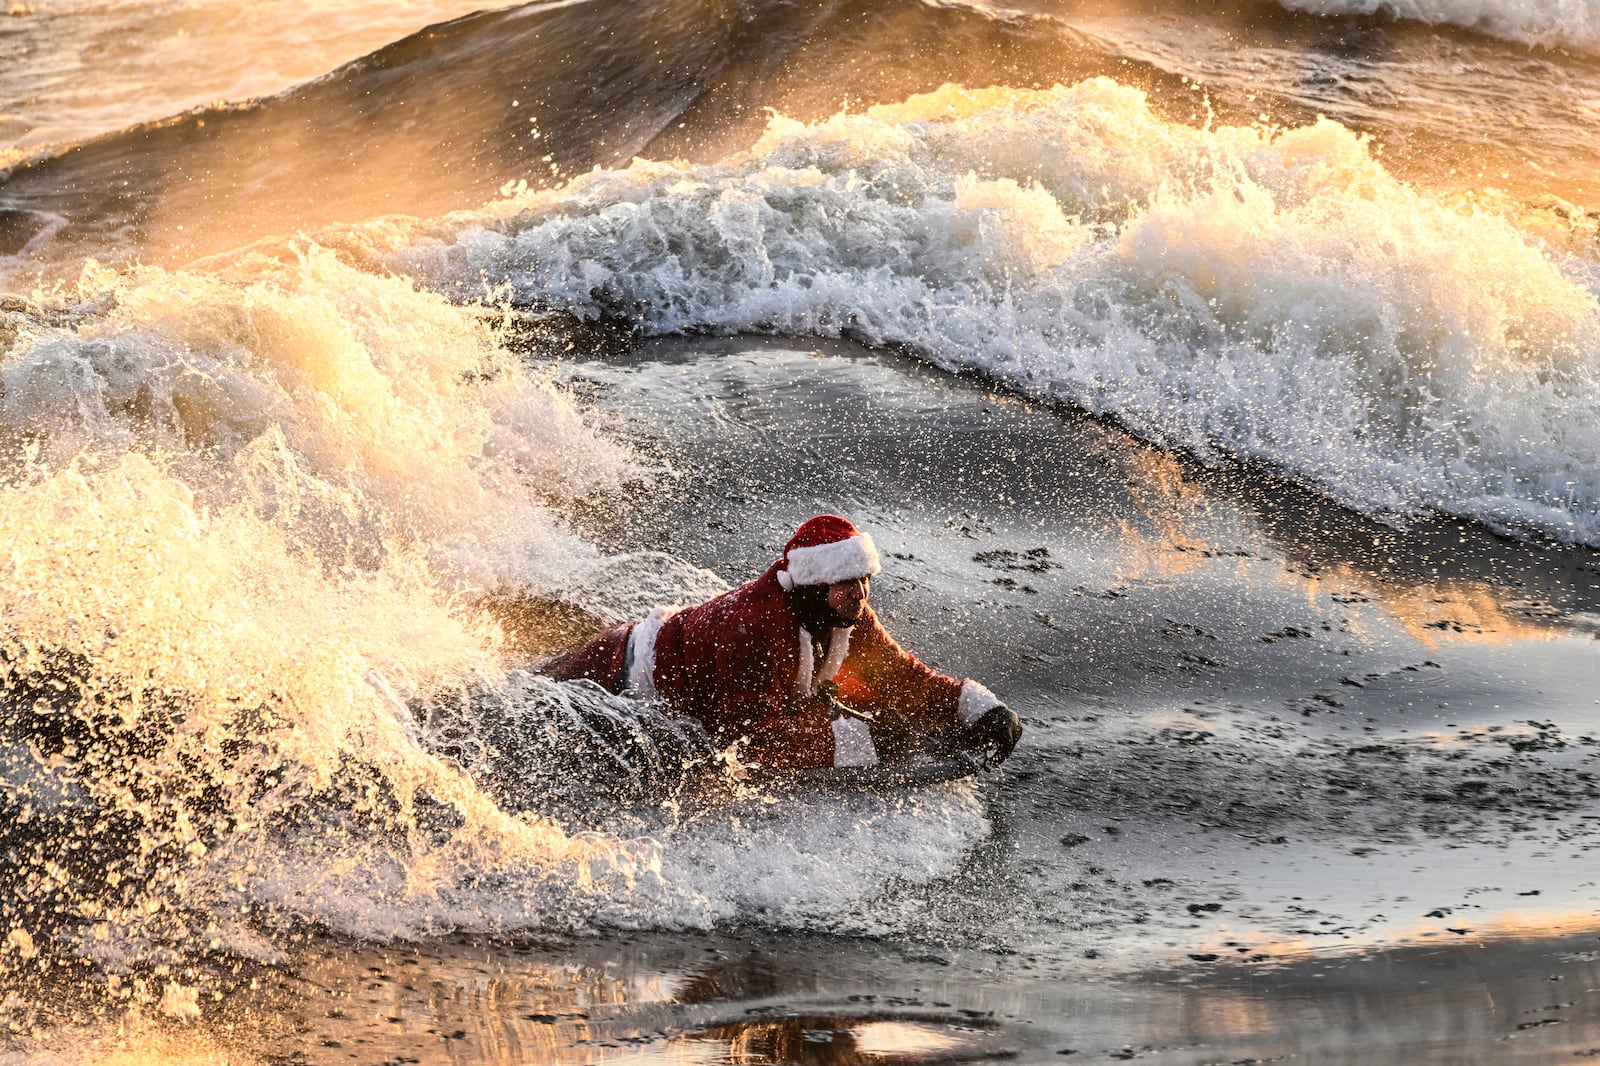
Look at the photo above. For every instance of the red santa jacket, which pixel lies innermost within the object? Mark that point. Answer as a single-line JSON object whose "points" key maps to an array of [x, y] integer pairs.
{"points": [[742, 664]]}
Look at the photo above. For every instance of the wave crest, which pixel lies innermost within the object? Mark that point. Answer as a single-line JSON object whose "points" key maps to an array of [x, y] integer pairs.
{"points": [[1266, 294]]}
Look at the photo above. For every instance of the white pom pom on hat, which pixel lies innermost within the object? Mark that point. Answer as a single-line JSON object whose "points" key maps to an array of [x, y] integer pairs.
{"points": [[826, 549]]}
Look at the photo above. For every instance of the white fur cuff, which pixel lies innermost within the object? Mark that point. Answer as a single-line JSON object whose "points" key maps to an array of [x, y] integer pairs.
{"points": [[976, 701], [642, 653], [827, 563], [852, 743]]}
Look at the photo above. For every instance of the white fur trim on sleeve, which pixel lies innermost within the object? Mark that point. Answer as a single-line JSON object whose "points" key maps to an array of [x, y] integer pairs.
{"points": [[852, 743], [976, 701], [826, 563], [642, 642]]}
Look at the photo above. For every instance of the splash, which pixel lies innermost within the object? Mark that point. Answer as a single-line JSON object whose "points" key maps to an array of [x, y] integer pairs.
{"points": [[253, 675], [249, 521], [1263, 294]]}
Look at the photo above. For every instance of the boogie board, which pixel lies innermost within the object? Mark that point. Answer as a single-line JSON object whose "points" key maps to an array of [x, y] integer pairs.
{"points": [[906, 773], [926, 760]]}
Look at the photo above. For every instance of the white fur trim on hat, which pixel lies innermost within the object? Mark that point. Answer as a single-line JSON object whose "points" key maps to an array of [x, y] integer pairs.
{"points": [[823, 564], [852, 743], [642, 653], [976, 701]]}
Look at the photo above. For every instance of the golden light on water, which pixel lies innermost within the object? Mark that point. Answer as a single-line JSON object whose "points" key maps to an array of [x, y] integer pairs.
{"points": [[895, 1039], [1330, 574], [1434, 613], [1454, 926]]}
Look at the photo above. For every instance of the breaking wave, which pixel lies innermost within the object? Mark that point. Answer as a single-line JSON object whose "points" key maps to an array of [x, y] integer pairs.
{"points": [[1270, 295]]}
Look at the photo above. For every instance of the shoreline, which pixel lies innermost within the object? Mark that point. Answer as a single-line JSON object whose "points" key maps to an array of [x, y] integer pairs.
{"points": [[756, 996]]}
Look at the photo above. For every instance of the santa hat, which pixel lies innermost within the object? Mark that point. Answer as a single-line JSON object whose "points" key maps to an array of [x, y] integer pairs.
{"points": [[826, 549]]}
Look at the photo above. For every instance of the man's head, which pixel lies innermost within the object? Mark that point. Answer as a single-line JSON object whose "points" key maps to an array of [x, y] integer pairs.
{"points": [[847, 599], [828, 566]]}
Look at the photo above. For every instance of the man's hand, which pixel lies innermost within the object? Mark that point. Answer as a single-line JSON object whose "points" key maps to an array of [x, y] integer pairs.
{"points": [[823, 700], [993, 736]]}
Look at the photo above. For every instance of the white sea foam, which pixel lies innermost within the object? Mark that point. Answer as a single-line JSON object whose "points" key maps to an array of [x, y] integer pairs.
{"points": [[1573, 24], [1273, 295], [827, 862]]}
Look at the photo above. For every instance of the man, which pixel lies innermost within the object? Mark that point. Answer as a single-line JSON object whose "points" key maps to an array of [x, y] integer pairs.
{"points": [[771, 662]]}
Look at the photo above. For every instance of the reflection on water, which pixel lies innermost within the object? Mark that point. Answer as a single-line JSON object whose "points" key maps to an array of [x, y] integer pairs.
{"points": [[1439, 579], [662, 999], [840, 1002], [834, 1041]]}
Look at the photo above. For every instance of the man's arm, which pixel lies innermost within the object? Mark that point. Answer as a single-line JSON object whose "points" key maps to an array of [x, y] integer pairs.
{"points": [[883, 677]]}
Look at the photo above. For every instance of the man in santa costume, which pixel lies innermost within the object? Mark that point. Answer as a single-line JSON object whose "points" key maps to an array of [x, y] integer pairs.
{"points": [[796, 665]]}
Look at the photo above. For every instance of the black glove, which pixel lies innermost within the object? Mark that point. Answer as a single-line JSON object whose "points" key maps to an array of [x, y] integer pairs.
{"points": [[822, 700], [993, 736]]}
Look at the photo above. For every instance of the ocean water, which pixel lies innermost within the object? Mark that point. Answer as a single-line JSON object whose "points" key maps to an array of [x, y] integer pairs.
{"points": [[1221, 382]]}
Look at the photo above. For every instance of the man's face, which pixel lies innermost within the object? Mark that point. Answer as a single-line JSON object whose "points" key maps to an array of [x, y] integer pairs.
{"points": [[847, 599]]}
